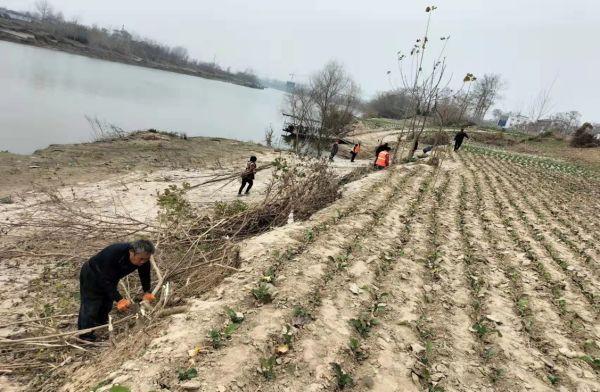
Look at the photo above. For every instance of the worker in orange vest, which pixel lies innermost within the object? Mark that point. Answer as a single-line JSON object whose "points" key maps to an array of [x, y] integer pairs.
{"points": [[355, 151], [383, 159]]}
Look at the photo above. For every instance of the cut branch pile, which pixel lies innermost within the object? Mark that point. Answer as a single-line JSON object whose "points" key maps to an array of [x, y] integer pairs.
{"points": [[195, 251]]}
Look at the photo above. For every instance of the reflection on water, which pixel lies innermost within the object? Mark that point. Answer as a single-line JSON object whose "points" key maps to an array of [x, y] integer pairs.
{"points": [[46, 95]]}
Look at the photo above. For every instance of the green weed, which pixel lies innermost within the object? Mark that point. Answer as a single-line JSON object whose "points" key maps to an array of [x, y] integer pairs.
{"points": [[187, 374], [266, 368], [342, 378]]}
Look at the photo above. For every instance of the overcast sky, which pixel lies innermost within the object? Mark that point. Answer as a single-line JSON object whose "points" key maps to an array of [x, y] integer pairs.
{"points": [[529, 45]]}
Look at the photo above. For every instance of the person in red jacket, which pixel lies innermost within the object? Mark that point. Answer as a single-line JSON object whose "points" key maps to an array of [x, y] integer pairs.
{"points": [[383, 159]]}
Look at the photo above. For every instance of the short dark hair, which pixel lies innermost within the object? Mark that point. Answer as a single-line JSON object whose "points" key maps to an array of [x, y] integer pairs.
{"points": [[252, 158], [142, 246]]}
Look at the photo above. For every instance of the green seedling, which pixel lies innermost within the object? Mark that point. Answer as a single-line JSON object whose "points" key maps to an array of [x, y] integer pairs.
{"points": [[497, 374], [269, 276], [301, 316], [343, 379], [482, 330], [309, 235], [364, 324], [357, 350], [489, 353], [187, 374], [287, 335], [235, 317], [216, 338], [266, 368], [229, 330], [523, 304], [553, 379], [340, 262], [262, 293]]}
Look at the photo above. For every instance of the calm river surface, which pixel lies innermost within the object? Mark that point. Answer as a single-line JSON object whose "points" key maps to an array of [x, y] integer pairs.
{"points": [[45, 96]]}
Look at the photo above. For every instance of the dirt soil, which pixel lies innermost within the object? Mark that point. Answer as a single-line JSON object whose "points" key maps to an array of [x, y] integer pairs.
{"points": [[478, 275]]}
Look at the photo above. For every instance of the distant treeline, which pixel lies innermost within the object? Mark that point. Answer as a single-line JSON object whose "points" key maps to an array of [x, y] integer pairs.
{"points": [[51, 29]]}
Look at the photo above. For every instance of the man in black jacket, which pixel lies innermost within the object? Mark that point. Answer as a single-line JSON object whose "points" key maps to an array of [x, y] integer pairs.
{"points": [[458, 139], [334, 150], [100, 277]]}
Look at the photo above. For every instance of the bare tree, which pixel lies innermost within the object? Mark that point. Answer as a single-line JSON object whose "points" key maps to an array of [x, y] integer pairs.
{"points": [[43, 9], [486, 93], [566, 122], [335, 96], [424, 85], [269, 136], [180, 54], [541, 105], [300, 106]]}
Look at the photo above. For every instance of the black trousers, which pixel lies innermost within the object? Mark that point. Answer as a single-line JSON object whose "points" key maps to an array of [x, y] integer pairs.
{"points": [[95, 304], [457, 145], [245, 181], [353, 156]]}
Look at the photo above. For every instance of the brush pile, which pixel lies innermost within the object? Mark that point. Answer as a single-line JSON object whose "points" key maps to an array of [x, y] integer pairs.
{"points": [[196, 250]]}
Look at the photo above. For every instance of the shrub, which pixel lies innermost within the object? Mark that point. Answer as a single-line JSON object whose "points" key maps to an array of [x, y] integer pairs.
{"points": [[582, 138], [437, 138]]}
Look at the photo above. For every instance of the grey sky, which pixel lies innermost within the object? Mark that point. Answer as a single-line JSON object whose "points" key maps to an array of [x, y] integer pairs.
{"points": [[528, 42]]}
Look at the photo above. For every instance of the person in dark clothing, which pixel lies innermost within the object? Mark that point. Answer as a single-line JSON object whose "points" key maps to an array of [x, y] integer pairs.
{"points": [[355, 151], [458, 139], [248, 176], [380, 148], [334, 150], [99, 278]]}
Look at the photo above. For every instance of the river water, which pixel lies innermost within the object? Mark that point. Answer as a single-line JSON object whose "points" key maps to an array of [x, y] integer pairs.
{"points": [[45, 96]]}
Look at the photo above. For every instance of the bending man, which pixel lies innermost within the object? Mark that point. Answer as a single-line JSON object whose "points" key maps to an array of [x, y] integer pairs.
{"points": [[100, 277]]}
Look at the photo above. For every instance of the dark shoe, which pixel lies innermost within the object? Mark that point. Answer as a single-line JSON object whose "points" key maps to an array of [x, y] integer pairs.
{"points": [[90, 337]]}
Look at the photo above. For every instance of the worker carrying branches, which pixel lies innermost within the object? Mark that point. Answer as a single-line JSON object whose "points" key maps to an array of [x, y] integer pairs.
{"points": [[100, 277], [248, 176]]}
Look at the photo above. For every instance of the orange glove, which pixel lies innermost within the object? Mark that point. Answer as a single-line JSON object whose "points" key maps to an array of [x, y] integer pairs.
{"points": [[148, 297], [123, 305]]}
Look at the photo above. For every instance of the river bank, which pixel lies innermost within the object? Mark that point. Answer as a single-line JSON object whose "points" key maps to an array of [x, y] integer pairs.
{"points": [[32, 34], [114, 180]]}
